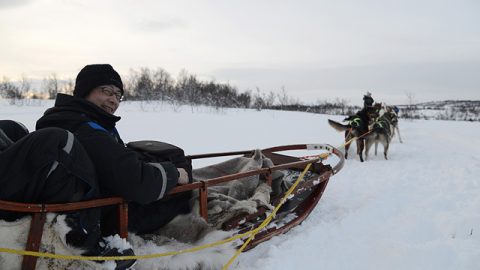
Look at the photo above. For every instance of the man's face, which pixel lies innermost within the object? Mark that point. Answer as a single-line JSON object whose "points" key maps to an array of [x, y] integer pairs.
{"points": [[107, 97]]}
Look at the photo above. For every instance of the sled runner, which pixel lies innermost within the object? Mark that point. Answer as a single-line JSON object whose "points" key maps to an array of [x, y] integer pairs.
{"points": [[278, 172]]}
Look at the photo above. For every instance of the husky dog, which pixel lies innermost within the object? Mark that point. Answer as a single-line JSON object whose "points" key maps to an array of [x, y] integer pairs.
{"points": [[380, 132], [357, 127], [394, 122]]}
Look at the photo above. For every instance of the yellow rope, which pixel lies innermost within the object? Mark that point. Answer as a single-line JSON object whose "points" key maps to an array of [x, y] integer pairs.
{"points": [[119, 258], [354, 138], [269, 218]]}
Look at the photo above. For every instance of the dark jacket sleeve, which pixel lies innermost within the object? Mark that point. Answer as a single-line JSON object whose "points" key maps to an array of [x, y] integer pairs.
{"points": [[121, 172]]}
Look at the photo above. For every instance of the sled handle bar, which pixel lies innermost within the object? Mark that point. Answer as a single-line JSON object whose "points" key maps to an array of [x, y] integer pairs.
{"points": [[326, 147], [230, 177]]}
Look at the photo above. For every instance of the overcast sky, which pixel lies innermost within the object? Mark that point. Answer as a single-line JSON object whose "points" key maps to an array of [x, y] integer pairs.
{"points": [[314, 49]]}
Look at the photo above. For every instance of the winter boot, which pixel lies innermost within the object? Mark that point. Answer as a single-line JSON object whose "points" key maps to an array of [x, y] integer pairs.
{"points": [[84, 233], [113, 246]]}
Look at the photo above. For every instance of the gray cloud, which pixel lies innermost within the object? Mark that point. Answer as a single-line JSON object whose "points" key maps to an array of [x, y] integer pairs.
{"points": [[414, 75], [4, 4], [432, 81]]}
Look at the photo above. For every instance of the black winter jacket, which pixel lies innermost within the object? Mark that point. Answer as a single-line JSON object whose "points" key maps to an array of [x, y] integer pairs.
{"points": [[119, 170]]}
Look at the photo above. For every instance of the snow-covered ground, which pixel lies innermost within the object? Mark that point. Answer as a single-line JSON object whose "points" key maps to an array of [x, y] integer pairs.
{"points": [[418, 210]]}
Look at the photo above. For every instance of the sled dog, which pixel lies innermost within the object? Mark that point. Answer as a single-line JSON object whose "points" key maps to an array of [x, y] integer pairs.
{"points": [[357, 127], [394, 122], [380, 132]]}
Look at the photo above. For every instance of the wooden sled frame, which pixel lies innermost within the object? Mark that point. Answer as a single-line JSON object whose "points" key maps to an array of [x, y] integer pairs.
{"points": [[315, 188]]}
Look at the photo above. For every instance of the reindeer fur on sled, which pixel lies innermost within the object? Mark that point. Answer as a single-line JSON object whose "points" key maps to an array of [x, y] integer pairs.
{"points": [[14, 235], [241, 195]]}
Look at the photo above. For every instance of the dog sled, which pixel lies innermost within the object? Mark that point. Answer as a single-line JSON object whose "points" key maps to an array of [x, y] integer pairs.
{"points": [[300, 203], [291, 211]]}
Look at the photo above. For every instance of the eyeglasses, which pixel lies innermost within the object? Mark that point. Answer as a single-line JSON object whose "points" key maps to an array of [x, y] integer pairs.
{"points": [[111, 92]]}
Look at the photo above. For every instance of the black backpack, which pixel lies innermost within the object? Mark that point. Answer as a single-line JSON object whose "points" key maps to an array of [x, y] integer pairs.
{"points": [[155, 151], [172, 205]]}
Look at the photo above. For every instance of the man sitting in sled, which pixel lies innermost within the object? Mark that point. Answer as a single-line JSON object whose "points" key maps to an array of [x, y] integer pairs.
{"points": [[100, 165], [89, 114]]}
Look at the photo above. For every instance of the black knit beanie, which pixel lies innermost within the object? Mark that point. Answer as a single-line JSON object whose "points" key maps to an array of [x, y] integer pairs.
{"points": [[92, 76]]}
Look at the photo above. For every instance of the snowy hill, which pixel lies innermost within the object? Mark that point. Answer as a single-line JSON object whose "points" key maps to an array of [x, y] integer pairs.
{"points": [[417, 210], [459, 110]]}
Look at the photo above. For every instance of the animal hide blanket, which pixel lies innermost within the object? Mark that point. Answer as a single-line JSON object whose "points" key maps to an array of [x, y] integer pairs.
{"points": [[243, 195], [14, 235]]}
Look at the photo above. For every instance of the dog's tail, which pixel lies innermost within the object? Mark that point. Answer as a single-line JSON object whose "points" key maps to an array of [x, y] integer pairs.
{"points": [[337, 126]]}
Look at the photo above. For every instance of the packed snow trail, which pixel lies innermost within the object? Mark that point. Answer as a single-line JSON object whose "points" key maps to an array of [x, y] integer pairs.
{"points": [[417, 210]]}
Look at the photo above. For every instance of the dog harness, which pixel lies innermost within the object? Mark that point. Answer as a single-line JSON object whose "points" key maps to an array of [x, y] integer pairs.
{"points": [[355, 122]]}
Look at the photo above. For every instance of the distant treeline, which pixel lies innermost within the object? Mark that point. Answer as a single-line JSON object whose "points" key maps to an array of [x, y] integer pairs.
{"points": [[158, 85], [187, 89]]}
